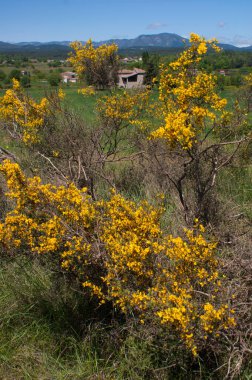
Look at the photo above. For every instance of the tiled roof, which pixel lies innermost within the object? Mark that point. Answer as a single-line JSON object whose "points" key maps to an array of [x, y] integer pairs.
{"points": [[139, 71], [128, 73], [125, 71], [68, 73]]}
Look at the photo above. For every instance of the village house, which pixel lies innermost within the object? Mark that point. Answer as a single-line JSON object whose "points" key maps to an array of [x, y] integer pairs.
{"points": [[131, 78], [69, 77], [24, 73]]}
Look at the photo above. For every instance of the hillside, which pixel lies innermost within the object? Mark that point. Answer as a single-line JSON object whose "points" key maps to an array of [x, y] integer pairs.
{"points": [[163, 41]]}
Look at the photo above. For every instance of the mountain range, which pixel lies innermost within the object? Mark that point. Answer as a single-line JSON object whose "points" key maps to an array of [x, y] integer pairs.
{"points": [[164, 41]]}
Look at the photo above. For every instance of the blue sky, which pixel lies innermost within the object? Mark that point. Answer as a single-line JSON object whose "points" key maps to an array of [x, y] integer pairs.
{"points": [[58, 20]]}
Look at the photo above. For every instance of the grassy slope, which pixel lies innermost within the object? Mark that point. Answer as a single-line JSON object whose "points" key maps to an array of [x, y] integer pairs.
{"points": [[37, 339], [235, 183], [48, 333]]}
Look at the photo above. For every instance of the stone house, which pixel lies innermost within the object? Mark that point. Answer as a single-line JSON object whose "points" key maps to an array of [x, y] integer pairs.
{"points": [[131, 78], [69, 77]]}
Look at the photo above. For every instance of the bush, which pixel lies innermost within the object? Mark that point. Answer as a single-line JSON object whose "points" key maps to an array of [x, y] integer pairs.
{"points": [[14, 74], [25, 81], [2, 75], [118, 250], [54, 79]]}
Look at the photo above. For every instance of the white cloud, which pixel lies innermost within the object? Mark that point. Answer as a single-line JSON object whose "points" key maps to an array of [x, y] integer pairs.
{"points": [[237, 40], [242, 40]]}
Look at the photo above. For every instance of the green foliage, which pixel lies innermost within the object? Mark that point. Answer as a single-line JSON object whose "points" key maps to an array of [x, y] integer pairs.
{"points": [[228, 59], [54, 64], [236, 80], [151, 66], [2, 75], [25, 81], [14, 74], [54, 79]]}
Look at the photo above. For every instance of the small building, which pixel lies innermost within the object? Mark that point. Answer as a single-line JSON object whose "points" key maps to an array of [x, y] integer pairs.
{"points": [[25, 73], [69, 77], [131, 78], [124, 60]]}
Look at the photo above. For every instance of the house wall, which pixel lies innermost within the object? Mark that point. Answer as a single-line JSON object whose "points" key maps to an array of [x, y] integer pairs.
{"points": [[69, 77], [120, 82], [138, 83]]}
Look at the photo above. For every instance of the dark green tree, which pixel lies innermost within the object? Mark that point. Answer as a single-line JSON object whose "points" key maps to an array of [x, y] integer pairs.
{"points": [[54, 79], [151, 66], [14, 74], [25, 81]]}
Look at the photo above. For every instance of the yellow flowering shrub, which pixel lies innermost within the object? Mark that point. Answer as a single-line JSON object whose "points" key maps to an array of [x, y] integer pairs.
{"points": [[61, 94], [246, 92], [21, 114], [189, 98], [87, 91], [98, 64], [47, 218], [82, 53], [172, 280], [248, 79], [124, 108], [120, 253]]}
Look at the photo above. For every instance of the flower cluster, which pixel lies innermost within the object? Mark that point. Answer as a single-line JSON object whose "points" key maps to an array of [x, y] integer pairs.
{"points": [[248, 79], [124, 108], [189, 97], [162, 277], [98, 65], [87, 54], [87, 91], [47, 218], [22, 114]]}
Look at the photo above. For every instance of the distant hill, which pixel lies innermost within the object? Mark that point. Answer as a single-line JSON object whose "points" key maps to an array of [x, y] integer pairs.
{"points": [[35, 49], [162, 40], [152, 42]]}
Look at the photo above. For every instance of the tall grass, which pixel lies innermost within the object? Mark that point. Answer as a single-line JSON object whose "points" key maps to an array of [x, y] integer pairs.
{"points": [[42, 336], [235, 187], [51, 331]]}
